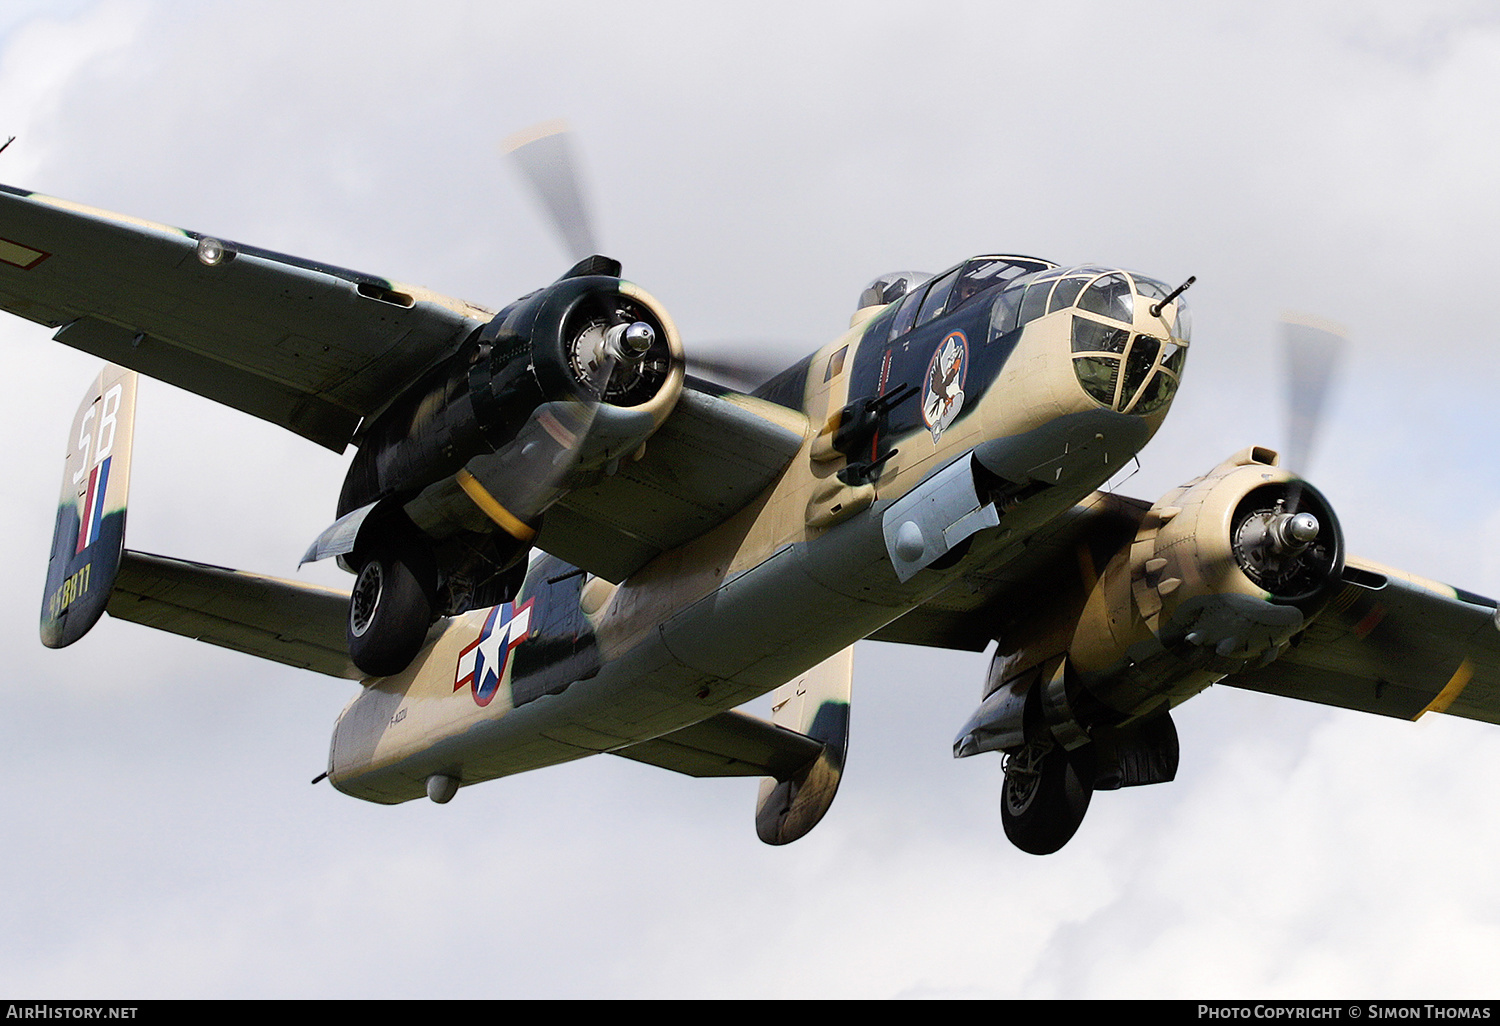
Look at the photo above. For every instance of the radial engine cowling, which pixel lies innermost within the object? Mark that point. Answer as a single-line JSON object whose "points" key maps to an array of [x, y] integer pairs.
{"points": [[1221, 576], [570, 327], [537, 365]]}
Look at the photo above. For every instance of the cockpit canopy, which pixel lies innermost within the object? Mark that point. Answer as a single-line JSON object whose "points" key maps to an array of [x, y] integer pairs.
{"points": [[890, 287], [950, 290]]}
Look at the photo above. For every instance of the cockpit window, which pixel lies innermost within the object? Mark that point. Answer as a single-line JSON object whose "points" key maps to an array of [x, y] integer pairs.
{"points": [[906, 316], [937, 296], [1065, 292], [1120, 367], [1127, 371], [1092, 337], [1003, 316], [984, 273], [1110, 296], [1182, 324], [890, 287], [1150, 287], [1158, 389], [1035, 303]]}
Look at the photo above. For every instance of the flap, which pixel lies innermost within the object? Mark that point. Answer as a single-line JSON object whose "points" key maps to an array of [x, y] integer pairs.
{"points": [[1389, 642], [284, 621], [1393, 644], [308, 346], [731, 744]]}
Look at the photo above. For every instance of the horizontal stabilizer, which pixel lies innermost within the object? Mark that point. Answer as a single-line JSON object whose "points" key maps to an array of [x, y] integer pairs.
{"points": [[284, 621], [731, 744], [801, 754]]}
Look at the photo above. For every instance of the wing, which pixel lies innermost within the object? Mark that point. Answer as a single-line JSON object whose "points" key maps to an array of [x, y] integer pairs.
{"points": [[1393, 644], [712, 456], [1388, 643], [311, 347]]}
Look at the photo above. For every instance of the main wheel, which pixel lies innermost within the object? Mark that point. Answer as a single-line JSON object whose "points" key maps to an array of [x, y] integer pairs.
{"points": [[1047, 792], [389, 613]]}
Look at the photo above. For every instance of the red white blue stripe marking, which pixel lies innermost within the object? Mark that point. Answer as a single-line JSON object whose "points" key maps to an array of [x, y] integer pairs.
{"points": [[91, 513]]}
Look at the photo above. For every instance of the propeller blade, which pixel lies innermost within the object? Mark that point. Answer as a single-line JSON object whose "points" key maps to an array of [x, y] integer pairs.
{"points": [[551, 447], [545, 156], [1313, 350], [742, 371]]}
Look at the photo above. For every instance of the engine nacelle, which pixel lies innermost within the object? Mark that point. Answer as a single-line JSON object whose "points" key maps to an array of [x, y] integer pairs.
{"points": [[1222, 574], [544, 348], [452, 479]]}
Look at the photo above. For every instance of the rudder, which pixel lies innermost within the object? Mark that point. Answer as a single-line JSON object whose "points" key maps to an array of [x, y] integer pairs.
{"points": [[89, 538]]}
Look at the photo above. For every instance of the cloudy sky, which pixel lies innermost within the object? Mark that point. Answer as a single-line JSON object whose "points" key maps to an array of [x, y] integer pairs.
{"points": [[753, 165]]}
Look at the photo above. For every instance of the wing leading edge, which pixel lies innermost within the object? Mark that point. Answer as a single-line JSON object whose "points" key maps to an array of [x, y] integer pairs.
{"points": [[316, 348], [1393, 644], [309, 346]]}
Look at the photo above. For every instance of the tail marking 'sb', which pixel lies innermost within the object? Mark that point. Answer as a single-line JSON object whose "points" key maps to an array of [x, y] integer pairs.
{"points": [[89, 537]]}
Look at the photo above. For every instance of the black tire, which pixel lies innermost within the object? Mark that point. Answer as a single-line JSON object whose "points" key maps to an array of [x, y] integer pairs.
{"points": [[1045, 801], [389, 613]]}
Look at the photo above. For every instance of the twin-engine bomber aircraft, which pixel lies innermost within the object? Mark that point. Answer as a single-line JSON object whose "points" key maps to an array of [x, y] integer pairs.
{"points": [[564, 543]]}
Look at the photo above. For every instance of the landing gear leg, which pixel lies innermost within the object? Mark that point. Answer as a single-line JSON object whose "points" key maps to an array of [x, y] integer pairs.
{"points": [[389, 611], [1047, 792]]}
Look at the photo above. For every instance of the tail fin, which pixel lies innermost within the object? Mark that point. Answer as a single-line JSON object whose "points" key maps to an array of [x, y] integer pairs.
{"points": [[815, 704], [90, 535]]}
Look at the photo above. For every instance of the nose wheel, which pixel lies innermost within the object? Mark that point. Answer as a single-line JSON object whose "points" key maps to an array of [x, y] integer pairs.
{"points": [[389, 613], [1047, 792]]}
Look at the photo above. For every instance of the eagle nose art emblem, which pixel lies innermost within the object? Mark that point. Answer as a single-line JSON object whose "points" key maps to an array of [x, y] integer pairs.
{"points": [[481, 666], [943, 394]]}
